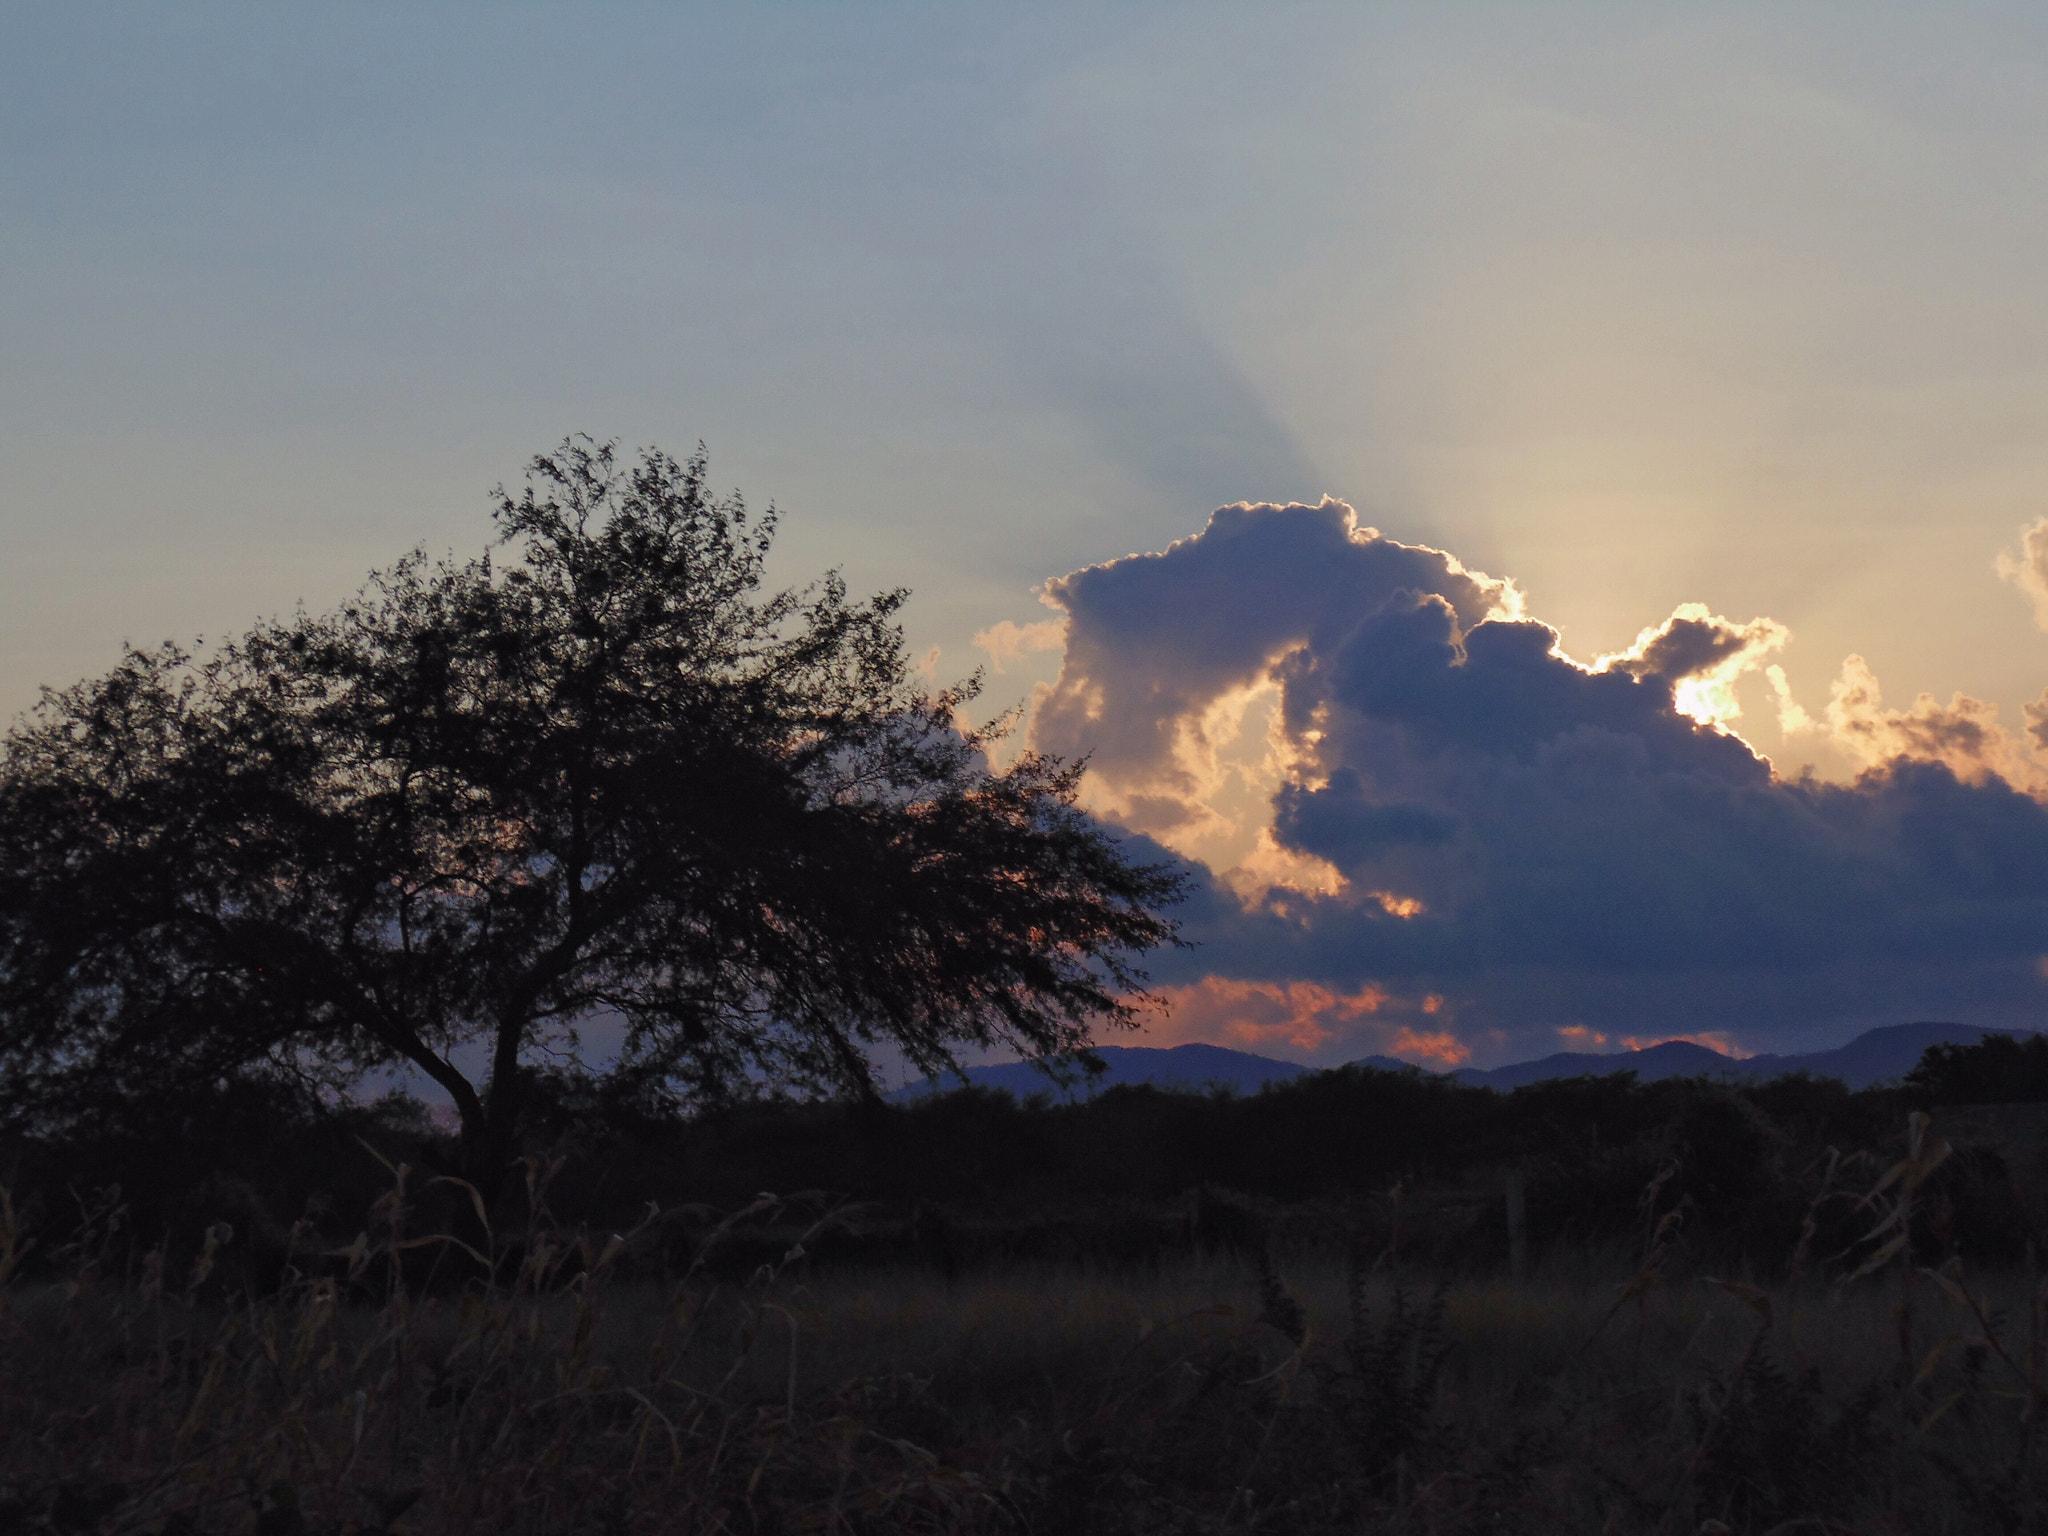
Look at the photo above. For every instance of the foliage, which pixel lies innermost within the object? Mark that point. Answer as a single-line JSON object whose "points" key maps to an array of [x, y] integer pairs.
{"points": [[1998, 1069], [480, 805], [1774, 1447], [561, 1391], [1383, 1388]]}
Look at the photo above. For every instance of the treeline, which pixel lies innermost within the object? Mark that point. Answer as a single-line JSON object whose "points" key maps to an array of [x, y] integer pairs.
{"points": [[1413, 1166]]}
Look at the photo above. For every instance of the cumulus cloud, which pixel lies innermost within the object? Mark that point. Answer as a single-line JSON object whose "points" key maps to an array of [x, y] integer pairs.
{"points": [[2028, 570], [1009, 642], [1702, 656], [1166, 652], [2036, 715], [1964, 733], [1469, 835]]}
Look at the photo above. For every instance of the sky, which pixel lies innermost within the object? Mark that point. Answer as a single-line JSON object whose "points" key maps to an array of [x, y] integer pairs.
{"points": [[1516, 329]]}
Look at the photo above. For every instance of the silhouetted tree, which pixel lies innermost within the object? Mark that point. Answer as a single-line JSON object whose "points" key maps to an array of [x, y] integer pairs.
{"points": [[1998, 1069], [481, 805]]}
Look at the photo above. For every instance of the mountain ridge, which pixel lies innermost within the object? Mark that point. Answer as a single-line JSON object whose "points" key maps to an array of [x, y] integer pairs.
{"points": [[1876, 1055]]}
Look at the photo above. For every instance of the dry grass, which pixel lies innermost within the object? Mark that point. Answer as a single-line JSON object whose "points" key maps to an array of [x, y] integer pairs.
{"points": [[1198, 1396]]}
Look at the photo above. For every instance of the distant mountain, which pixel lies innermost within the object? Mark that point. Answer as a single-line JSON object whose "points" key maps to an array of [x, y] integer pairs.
{"points": [[1673, 1058], [1875, 1056], [1197, 1067]]}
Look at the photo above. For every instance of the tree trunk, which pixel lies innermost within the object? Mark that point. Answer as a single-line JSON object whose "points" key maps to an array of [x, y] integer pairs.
{"points": [[489, 1147]]}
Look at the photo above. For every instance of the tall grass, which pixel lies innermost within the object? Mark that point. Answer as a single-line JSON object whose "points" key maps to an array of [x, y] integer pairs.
{"points": [[422, 1382]]}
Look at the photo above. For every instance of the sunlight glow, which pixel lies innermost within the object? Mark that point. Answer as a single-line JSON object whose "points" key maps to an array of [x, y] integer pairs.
{"points": [[1704, 655]]}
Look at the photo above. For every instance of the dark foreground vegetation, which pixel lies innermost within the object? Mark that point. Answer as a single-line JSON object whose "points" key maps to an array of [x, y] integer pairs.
{"points": [[1778, 1307]]}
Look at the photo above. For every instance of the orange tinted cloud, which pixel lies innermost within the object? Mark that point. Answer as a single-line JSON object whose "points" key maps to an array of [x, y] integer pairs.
{"points": [[1439, 1049], [1403, 907], [1964, 733], [1251, 1015]]}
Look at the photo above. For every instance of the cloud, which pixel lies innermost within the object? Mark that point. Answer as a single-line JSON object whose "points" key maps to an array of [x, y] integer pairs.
{"points": [[2029, 569], [1453, 810], [2036, 716], [1436, 1048], [1309, 1017], [1165, 652], [1009, 642], [1963, 733], [1702, 656]]}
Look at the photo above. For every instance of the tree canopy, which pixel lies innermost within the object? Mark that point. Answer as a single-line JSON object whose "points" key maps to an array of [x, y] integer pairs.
{"points": [[487, 802]]}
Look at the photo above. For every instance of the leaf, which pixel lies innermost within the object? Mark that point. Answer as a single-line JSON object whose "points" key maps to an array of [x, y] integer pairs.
{"points": [[1939, 1409], [1951, 1288], [1882, 1257], [1756, 1300], [476, 1198], [443, 1237], [1892, 1176], [1932, 1362]]}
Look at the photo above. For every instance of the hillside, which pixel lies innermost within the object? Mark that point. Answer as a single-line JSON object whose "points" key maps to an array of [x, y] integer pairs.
{"points": [[1198, 1067], [1875, 1056]]}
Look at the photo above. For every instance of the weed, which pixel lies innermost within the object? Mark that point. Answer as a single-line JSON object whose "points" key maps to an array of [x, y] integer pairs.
{"points": [[1382, 1388]]}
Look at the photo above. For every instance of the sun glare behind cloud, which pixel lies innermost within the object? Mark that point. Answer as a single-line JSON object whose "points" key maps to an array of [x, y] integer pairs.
{"points": [[1378, 775]]}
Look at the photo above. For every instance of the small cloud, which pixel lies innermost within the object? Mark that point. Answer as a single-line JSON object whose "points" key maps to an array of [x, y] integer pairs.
{"points": [[2036, 715], [928, 664], [1964, 734], [1444, 1050], [1579, 1034], [2028, 570], [1307, 1015], [1403, 907], [1702, 656], [1792, 715], [1009, 642]]}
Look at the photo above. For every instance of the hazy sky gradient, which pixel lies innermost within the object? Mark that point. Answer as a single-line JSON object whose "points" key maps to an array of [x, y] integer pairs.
{"points": [[1634, 305]]}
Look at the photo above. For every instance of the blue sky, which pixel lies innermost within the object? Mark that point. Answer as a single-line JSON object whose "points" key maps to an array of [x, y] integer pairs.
{"points": [[1631, 306]]}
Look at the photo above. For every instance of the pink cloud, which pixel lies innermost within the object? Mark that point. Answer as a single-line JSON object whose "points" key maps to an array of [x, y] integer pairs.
{"points": [[1305, 1015]]}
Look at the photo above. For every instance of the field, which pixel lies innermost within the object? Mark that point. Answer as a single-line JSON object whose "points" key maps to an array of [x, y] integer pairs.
{"points": [[1197, 1392]]}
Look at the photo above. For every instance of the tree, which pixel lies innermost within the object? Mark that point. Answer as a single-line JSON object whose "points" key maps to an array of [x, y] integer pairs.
{"points": [[483, 804], [1998, 1069]]}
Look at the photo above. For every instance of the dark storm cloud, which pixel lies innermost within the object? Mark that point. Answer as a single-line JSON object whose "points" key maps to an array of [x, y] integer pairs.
{"points": [[1686, 646], [1529, 844], [1343, 826], [1153, 640]]}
